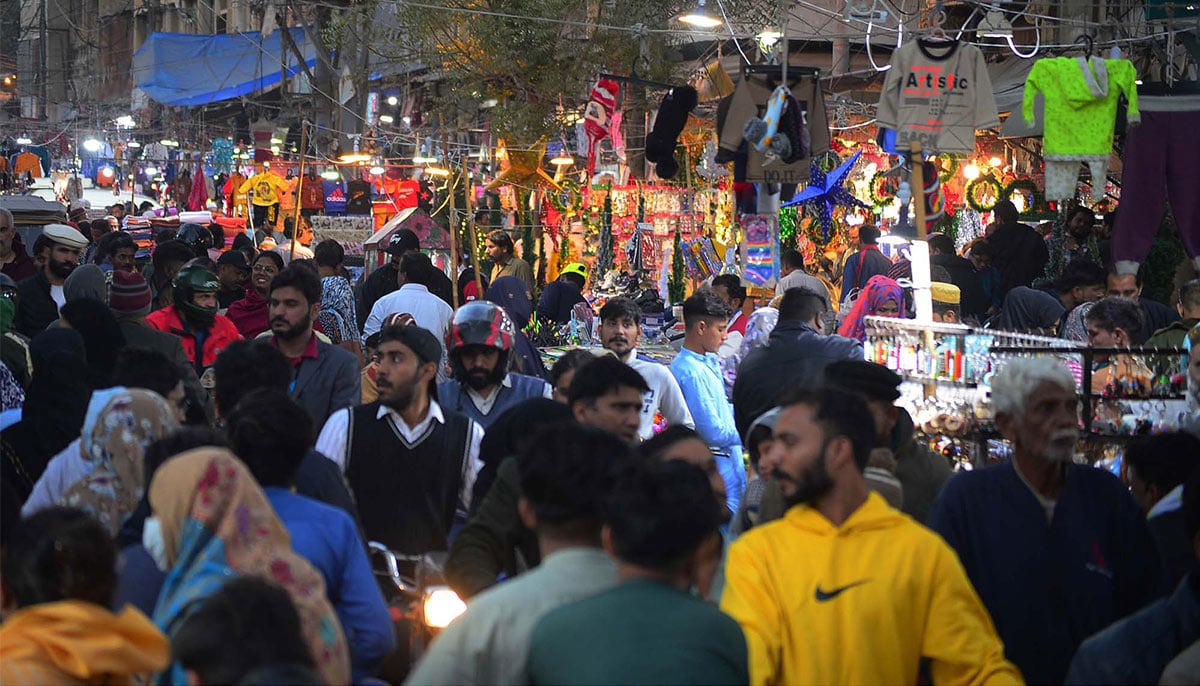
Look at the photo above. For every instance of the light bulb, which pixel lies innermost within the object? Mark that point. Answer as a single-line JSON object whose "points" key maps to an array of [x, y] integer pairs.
{"points": [[93, 145], [386, 118], [393, 100], [995, 161], [970, 172]]}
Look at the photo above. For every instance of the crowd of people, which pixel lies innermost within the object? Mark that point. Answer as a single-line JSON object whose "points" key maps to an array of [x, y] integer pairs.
{"points": [[197, 451]]}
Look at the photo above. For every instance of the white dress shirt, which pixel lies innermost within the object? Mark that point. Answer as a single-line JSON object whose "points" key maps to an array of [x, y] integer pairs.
{"points": [[333, 443], [427, 310]]}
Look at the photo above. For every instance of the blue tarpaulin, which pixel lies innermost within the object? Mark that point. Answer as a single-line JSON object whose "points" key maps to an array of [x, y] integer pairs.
{"points": [[191, 69]]}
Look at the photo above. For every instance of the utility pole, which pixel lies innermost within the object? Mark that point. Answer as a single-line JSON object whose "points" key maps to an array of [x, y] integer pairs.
{"points": [[43, 60]]}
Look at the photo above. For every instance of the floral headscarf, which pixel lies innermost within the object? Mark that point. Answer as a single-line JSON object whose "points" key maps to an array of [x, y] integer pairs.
{"points": [[130, 421], [1074, 329], [217, 524], [879, 289], [337, 316]]}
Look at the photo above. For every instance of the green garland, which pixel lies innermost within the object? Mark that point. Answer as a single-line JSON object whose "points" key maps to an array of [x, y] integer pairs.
{"points": [[1037, 199], [788, 218], [676, 290], [947, 167], [975, 185], [873, 188], [569, 199]]}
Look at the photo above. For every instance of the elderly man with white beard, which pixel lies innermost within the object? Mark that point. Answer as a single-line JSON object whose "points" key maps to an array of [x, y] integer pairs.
{"points": [[1056, 550]]}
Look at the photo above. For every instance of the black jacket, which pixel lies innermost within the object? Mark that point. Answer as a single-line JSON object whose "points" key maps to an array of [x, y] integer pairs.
{"points": [[795, 356], [1019, 253], [558, 301], [963, 275], [35, 308]]}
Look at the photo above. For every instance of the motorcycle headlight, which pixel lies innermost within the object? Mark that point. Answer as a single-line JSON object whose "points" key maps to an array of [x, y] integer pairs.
{"points": [[442, 606]]}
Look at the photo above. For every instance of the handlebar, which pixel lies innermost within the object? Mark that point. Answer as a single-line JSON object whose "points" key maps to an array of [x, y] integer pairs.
{"points": [[393, 561]]}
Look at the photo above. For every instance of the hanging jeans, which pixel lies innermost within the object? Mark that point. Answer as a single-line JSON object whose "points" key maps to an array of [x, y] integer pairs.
{"points": [[1162, 161]]}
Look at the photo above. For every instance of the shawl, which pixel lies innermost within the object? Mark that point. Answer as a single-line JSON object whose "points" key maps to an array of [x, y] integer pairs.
{"points": [[338, 318], [217, 524], [132, 420], [250, 315], [879, 289], [1074, 329], [12, 396]]}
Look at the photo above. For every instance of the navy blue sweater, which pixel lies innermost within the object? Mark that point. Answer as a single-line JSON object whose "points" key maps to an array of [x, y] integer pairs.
{"points": [[1049, 586]]}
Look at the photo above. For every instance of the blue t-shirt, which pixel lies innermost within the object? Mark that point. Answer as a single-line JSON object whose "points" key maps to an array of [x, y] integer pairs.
{"points": [[335, 197]]}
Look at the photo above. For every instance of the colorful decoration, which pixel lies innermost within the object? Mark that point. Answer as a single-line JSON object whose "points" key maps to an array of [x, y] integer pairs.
{"points": [[222, 155], [947, 166], [825, 192], [787, 229], [983, 193], [525, 169], [761, 263], [676, 289], [1037, 199], [597, 118]]}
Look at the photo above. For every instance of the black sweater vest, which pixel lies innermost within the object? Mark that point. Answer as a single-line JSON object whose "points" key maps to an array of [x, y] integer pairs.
{"points": [[406, 494]]}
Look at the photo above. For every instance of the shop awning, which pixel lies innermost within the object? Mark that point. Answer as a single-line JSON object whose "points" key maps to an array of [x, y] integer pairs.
{"points": [[190, 69]]}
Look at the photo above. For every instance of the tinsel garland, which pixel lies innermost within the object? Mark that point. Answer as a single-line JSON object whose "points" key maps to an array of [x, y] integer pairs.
{"points": [[676, 289], [787, 229], [970, 227], [604, 254]]}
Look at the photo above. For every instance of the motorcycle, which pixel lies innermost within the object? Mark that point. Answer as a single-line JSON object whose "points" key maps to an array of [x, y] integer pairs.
{"points": [[420, 601]]}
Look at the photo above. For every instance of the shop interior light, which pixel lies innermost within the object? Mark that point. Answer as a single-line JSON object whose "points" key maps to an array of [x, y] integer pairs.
{"points": [[386, 118], [768, 38], [421, 159], [562, 160], [93, 145], [700, 18], [995, 161], [971, 172], [437, 171], [329, 175], [24, 140], [124, 121], [151, 171], [169, 142], [134, 144], [407, 120], [106, 172], [393, 100], [354, 158], [488, 104], [377, 170]]}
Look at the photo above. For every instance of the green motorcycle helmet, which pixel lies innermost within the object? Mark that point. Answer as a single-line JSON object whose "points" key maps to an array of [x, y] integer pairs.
{"points": [[188, 282]]}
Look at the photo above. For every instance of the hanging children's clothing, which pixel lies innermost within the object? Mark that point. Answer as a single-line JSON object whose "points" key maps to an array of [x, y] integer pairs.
{"points": [[1081, 111], [1162, 161], [938, 93], [749, 100]]}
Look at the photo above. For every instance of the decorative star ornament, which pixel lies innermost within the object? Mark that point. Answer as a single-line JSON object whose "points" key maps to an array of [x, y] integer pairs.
{"points": [[825, 192], [525, 169]]}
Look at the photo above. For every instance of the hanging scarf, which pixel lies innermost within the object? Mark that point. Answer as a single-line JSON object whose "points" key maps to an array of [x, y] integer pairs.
{"points": [[129, 422], [198, 197], [879, 289], [218, 524]]}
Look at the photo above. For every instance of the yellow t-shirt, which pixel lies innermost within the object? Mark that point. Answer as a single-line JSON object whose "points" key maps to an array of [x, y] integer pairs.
{"points": [[265, 188]]}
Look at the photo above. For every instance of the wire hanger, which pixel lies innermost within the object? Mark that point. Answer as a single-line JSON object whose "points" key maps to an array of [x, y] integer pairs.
{"points": [[936, 32], [634, 79], [1087, 42]]}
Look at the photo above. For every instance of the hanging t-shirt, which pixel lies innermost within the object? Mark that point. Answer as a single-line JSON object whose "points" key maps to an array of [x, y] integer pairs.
{"points": [[335, 197], [312, 193], [1081, 104], [358, 197], [937, 93], [287, 195], [265, 186], [406, 194]]}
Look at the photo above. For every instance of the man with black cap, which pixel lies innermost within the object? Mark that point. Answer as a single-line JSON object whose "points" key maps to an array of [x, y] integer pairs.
{"points": [[384, 279], [233, 272], [920, 471], [410, 464], [41, 295]]}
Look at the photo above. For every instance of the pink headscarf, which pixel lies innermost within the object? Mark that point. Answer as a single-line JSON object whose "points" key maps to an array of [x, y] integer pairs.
{"points": [[879, 289]]}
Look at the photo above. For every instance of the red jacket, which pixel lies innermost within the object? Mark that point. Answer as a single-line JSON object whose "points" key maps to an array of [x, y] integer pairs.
{"points": [[223, 333]]}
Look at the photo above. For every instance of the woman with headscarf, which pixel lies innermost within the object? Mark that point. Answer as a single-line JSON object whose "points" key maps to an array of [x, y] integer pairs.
{"points": [[131, 420], [513, 295], [102, 337], [337, 315], [210, 522], [55, 404], [882, 297]]}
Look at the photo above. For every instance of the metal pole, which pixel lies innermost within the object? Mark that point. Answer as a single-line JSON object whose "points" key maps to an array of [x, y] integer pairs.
{"points": [[44, 59], [299, 182]]}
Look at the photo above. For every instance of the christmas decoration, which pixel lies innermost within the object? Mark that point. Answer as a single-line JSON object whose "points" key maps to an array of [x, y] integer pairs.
{"points": [[1036, 199], [597, 118], [825, 192], [675, 286], [787, 229], [983, 193], [604, 254], [525, 169]]}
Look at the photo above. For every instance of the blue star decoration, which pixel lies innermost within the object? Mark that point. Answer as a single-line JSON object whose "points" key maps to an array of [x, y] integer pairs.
{"points": [[825, 192]]}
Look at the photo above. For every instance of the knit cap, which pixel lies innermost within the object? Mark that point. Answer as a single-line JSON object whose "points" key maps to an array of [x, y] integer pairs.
{"points": [[129, 296]]}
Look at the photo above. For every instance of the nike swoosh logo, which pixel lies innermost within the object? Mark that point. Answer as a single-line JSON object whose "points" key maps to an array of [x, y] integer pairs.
{"points": [[823, 596]]}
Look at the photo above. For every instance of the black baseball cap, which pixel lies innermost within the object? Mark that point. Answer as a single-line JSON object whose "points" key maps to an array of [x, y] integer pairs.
{"points": [[403, 241], [865, 378], [234, 258]]}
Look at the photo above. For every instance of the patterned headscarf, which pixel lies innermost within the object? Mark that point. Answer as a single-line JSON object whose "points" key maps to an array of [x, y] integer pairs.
{"points": [[217, 524], [337, 315], [1074, 329], [879, 289], [130, 421]]}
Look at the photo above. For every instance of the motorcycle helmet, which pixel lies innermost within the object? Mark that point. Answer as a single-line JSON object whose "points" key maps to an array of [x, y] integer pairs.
{"points": [[576, 268], [196, 237], [188, 282], [480, 323]]}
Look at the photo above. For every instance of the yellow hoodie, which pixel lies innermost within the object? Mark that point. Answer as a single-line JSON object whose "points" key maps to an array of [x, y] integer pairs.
{"points": [[858, 604], [75, 642]]}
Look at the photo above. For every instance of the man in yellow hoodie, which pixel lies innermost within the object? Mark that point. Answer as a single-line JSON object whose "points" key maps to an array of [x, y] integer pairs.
{"points": [[59, 572], [845, 589]]}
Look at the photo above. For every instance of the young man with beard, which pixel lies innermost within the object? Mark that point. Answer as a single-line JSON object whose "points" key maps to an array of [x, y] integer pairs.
{"points": [[193, 317], [325, 377], [410, 463], [845, 589], [41, 295], [481, 342], [620, 327], [1057, 550]]}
